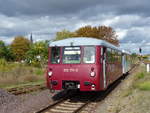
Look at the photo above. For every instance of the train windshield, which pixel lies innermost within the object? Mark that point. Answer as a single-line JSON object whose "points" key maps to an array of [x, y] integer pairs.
{"points": [[55, 55], [71, 55], [89, 55]]}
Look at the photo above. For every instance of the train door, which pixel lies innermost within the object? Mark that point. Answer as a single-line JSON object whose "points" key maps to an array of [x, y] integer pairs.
{"points": [[104, 68], [123, 63]]}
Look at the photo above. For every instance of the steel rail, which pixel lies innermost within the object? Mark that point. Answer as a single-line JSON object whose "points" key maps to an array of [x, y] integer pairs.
{"points": [[95, 98]]}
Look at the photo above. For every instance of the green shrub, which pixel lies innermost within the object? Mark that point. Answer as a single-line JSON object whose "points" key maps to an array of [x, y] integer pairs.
{"points": [[144, 85], [39, 71], [36, 64], [140, 75], [3, 62], [3, 65], [17, 73]]}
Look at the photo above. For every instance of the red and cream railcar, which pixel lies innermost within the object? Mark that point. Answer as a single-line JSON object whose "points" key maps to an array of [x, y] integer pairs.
{"points": [[86, 64]]}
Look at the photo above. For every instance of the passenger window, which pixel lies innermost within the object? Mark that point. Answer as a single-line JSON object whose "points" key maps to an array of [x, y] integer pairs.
{"points": [[109, 55], [89, 55], [113, 55], [120, 57], [55, 55]]}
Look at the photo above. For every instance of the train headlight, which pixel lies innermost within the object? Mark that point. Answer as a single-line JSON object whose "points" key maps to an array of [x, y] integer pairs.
{"points": [[50, 73], [92, 74], [93, 87]]}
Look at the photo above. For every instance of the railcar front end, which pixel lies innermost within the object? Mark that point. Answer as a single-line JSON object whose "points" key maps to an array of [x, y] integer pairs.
{"points": [[75, 67], [86, 64]]}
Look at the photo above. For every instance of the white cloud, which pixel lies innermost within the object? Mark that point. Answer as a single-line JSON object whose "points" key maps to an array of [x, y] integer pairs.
{"points": [[121, 33], [109, 22], [131, 29]]}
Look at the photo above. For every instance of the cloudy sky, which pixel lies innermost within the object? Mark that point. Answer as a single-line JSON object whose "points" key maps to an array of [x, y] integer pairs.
{"points": [[129, 18]]}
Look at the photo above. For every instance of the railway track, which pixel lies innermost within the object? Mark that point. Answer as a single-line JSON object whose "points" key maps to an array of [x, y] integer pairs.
{"points": [[67, 105], [76, 104], [26, 89]]}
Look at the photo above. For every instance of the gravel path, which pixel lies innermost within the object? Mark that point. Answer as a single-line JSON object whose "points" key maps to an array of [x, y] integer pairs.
{"points": [[7, 101], [25, 103], [119, 99]]}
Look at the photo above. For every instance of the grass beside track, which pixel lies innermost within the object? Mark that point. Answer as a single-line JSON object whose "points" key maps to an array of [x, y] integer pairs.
{"points": [[142, 80], [132, 96], [7, 87], [14, 74]]}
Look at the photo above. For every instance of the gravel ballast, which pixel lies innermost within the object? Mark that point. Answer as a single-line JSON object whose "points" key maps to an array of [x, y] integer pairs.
{"points": [[8, 102], [27, 103]]}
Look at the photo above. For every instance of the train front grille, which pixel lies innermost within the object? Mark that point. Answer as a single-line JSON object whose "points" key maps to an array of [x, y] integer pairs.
{"points": [[70, 84]]}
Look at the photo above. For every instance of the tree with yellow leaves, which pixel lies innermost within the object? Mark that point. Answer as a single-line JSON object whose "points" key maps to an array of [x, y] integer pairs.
{"points": [[20, 46], [100, 32]]}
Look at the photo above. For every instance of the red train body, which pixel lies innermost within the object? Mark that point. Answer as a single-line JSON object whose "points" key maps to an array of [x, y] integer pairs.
{"points": [[84, 63]]}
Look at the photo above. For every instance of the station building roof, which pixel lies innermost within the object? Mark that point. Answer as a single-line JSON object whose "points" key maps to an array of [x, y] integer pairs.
{"points": [[82, 41]]}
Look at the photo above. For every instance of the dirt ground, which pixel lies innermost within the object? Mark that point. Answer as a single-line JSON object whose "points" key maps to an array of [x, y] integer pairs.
{"points": [[125, 99]]}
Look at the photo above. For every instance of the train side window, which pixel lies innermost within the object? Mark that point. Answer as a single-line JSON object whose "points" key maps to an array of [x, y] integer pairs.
{"points": [[113, 55], [89, 55], [120, 57], [109, 54], [55, 55], [117, 56]]}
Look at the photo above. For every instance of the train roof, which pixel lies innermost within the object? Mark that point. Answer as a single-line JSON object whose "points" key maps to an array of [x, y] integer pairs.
{"points": [[126, 52], [82, 41]]}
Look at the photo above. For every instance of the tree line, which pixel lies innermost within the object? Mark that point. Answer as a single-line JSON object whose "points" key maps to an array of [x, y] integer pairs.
{"points": [[23, 50], [99, 32]]}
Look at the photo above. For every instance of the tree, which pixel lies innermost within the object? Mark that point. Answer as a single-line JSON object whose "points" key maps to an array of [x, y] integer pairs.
{"points": [[20, 46], [100, 32], [2, 49], [38, 53], [86, 31], [5, 52], [64, 34]]}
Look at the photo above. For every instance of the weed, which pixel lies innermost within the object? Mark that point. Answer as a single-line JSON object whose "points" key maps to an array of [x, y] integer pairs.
{"points": [[140, 75], [39, 71], [126, 93], [30, 78], [18, 73], [3, 62], [144, 85]]}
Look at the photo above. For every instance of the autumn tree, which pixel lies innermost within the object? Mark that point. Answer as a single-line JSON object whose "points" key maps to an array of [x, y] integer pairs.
{"points": [[64, 34], [86, 31], [20, 46], [100, 32]]}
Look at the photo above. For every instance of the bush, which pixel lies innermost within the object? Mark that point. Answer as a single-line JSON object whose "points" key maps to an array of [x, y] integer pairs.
{"points": [[18, 73], [3, 62], [3, 65], [144, 85], [140, 75], [39, 72], [36, 64]]}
